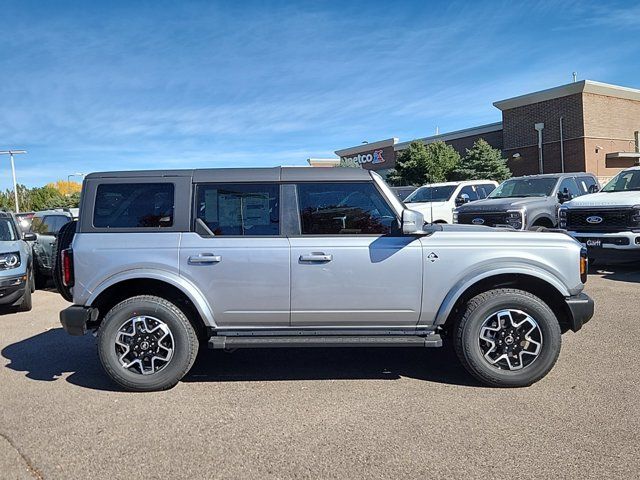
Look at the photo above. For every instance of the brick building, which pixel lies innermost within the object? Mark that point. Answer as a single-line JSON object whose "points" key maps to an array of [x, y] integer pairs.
{"points": [[583, 126]]}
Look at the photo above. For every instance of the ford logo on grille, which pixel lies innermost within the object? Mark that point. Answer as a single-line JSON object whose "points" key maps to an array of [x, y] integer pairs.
{"points": [[594, 219], [477, 221]]}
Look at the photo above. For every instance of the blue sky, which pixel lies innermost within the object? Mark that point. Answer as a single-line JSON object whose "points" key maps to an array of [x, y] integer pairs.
{"points": [[90, 86]]}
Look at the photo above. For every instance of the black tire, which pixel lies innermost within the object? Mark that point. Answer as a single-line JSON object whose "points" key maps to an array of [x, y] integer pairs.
{"points": [[63, 241], [27, 302], [40, 280], [185, 343], [467, 337], [32, 281]]}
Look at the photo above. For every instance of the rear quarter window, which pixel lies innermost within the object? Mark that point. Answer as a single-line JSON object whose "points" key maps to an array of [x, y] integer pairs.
{"points": [[49, 224], [134, 205]]}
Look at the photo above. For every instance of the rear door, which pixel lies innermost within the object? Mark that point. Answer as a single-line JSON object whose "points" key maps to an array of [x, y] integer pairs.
{"points": [[236, 254], [349, 264], [46, 228]]}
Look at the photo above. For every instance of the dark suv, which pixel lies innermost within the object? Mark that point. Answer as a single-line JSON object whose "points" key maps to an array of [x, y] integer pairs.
{"points": [[529, 202]]}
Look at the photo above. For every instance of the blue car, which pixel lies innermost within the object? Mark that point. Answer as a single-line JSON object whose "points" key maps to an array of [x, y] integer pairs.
{"points": [[17, 282]]}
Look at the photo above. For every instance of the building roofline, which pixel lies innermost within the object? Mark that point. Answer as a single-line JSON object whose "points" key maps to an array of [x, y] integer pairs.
{"points": [[583, 86], [365, 147], [444, 137]]}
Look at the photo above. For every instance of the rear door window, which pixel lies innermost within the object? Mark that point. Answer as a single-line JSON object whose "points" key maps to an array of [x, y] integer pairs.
{"points": [[570, 185], [49, 224], [239, 209], [470, 192], [134, 205], [585, 182], [485, 189]]}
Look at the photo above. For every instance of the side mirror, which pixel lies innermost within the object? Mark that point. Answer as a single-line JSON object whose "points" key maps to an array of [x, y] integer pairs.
{"points": [[29, 237], [462, 199], [594, 188], [564, 196], [412, 222]]}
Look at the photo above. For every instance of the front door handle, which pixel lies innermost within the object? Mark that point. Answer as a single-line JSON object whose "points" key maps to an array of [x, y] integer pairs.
{"points": [[205, 258], [316, 257]]}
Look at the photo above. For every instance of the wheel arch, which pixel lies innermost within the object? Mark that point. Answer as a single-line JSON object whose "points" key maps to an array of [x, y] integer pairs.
{"points": [[543, 220], [162, 284], [543, 285]]}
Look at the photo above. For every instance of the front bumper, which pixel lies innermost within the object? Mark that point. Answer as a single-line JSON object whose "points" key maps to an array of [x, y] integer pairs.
{"points": [[12, 288], [74, 319], [581, 309], [622, 241]]}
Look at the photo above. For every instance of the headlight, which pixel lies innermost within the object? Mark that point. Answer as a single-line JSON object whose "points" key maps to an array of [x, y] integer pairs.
{"points": [[455, 216], [9, 260], [635, 216], [562, 217], [515, 218]]}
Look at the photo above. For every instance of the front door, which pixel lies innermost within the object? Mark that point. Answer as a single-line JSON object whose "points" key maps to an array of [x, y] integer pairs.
{"points": [[237, 256], [349, 265]]}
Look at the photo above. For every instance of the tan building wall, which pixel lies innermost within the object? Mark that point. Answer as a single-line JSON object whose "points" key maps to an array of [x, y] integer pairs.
{"points": [[597, 119], [609, 123]]}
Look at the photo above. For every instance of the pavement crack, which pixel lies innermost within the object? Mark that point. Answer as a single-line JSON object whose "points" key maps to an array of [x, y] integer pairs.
{"points": [[35, 473]]}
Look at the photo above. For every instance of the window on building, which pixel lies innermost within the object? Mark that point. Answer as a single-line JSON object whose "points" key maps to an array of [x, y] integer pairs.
{"points": [[134, 205], [239, 209], [344, 209], [49, 224]]}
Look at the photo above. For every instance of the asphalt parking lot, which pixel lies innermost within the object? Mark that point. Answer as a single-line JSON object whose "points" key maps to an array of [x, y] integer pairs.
{"points": [[335, 413]]}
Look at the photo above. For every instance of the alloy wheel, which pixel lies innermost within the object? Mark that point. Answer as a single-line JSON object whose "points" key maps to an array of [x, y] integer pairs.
{"points": [[144, 345], [510, 339]]}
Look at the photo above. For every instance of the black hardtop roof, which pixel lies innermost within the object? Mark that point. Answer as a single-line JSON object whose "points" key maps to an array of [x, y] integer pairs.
{"points": [[274, 174]]}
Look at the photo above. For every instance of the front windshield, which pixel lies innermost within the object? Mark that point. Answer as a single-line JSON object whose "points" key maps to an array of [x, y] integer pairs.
{"points": [[525, 187], [431, 194], [624, 182], [7, 231]]}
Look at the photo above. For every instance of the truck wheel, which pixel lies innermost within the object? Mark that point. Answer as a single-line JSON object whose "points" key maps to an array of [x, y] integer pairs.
{"points": [[146, 343], [507, 338], [27, 301]]}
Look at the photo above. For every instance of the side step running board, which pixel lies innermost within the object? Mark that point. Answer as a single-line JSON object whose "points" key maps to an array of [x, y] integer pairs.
{"points": [[271, 341]]}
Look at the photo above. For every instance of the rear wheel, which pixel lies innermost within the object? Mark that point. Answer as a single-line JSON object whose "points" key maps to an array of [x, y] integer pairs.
{"points": [[508, 338], [146, 343]]}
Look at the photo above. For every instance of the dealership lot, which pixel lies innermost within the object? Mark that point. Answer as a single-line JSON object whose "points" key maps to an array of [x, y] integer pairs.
{"points": [[324, 413]]}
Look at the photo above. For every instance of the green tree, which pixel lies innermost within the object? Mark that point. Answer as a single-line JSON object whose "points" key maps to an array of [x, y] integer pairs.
{"points": [[420, 164], [482, 162], [47, 197]]}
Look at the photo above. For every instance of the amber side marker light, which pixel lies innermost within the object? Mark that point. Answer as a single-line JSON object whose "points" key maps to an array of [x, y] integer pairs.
{"points": [[584, 265]]}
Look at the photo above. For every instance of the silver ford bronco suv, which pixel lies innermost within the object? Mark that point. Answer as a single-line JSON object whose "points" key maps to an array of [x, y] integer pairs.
{"points": [[162, 262]]}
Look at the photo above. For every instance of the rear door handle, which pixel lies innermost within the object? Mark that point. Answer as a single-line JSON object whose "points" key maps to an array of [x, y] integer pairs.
{"points": [[205, 258], [316, 257]]}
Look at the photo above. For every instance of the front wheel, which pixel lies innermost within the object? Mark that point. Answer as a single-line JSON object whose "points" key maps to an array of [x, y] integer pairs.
{"points": [[508, 338], [27, 301], [146, 343]]}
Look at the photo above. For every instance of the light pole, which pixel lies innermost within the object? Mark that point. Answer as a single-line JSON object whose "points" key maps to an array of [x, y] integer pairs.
{"points": [[77, 174], [11, 153]]}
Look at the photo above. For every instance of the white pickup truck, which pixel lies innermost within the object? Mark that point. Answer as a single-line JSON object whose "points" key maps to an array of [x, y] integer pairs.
{"points": [[607, 222], [437, 201]]}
